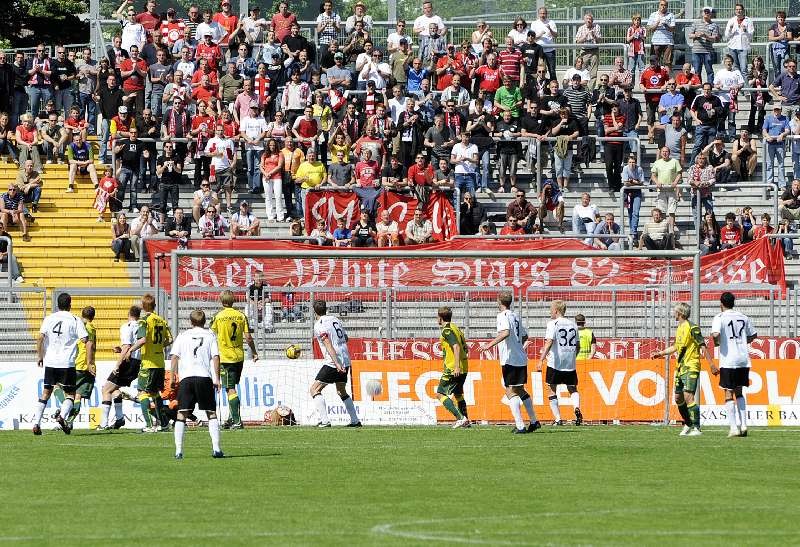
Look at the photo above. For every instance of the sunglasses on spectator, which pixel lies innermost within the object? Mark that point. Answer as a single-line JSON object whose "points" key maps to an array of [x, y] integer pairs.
{"points": [[211, 210]]}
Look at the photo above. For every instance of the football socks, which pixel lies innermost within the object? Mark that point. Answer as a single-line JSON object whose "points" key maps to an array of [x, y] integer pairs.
{"points": [[213, 430], [180, 427], [528, 402], [554, 407], [451, 408], [684, 412], [351, 408], [233, 405], [515, 405]]}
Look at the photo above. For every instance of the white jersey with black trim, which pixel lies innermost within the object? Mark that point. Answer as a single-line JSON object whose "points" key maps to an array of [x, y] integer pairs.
{"points": [[128, 335], [329, 327], [564, 334], [510, 349], [733, 329], [62, 331], [195, 350]]}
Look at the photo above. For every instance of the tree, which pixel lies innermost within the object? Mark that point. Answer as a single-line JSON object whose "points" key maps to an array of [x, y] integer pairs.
{"points": [[27, 22]]}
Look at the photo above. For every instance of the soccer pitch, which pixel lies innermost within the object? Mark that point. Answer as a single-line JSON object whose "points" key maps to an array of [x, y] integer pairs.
{"points": [[595, 485]]}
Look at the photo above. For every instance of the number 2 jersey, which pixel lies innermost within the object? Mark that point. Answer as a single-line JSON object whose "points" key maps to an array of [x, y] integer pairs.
{"points": [[153, 328], [62, 331], [733, 328], [230, 325], [511, 351], [330, 328], [195, 349], [564, 334]]}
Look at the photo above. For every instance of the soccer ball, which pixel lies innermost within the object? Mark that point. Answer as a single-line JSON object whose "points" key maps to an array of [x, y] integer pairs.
{"points": [[374, 388], [293, 351]]}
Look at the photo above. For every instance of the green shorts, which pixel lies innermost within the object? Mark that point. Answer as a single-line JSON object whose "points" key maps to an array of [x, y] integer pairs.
{"points": [[686, 382], [230, 374], [151, 380], [84, 383], [451, 384]]}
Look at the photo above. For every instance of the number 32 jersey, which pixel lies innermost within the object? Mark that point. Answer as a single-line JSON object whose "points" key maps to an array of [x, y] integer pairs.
{"points": [[733, 328], [195, 349], [329, 327], [564, 334]]}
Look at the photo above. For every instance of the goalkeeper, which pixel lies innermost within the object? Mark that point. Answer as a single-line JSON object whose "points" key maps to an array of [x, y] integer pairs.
{"points": [[688, 344], [454, 346]]}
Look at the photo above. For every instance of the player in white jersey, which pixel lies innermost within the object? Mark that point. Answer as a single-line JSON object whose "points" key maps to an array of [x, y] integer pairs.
{"points": [[195, 360], [732, 332], [126, 371], [332, 340], [57, 348], [511, 338], [560, 350]]}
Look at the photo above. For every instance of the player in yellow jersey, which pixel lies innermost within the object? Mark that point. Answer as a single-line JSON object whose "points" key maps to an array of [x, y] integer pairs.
{"points": [[232, 330], [85, 370], [587, 343], [688, 344], [456, 363], [154, 337]]}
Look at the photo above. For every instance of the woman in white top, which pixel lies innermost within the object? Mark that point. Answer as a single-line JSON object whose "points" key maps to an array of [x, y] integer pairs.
{"points": [[277, 128], [727, 82], [520, 32]]}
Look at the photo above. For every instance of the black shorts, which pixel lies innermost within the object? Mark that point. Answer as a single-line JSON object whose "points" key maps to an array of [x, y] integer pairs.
{"points": [[329, 375], [66, 377], [514, 376], [731, 378], [230, 374], [558, 377], [128, 372], [196, 390]]}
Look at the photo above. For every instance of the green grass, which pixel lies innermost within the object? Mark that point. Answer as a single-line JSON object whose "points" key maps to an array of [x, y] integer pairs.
{"points": [[391, 486]]}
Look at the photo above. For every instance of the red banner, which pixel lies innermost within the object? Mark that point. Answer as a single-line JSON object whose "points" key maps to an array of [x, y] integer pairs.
{"points": [[331, 205], [757, 262]]}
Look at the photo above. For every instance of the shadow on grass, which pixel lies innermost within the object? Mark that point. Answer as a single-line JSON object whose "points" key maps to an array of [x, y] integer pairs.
{"points": [[274, 454]]}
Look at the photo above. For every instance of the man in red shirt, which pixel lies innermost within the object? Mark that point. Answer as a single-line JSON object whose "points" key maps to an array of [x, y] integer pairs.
{"points": [[445, 68], [489, 76], [654, 77], [371, 141], [227, 20], [367, 187], [205, 93], [106, 194], [149, 19], [172, 30], [134, 73], [730, 235], [306, 129], [282, 21], [513, 227], [510, 60], [209, 51]]}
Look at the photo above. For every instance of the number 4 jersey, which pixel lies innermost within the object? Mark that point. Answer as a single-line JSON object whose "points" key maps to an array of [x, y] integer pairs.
{"points": [[62, 331], [564, 334], [195, 349], [733, 328], [329, 327]]}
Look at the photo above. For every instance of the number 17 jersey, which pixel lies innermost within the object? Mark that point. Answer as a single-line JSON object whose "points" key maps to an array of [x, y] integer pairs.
{"points": [[329, 327], [564, 334], [733, 328]]}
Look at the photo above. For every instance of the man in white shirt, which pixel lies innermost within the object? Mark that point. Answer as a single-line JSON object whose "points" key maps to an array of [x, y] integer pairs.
{"points": [[546, 33], [422, 23], [253, 129], [464, 156], [209, 27], [57, 348], [332, 340], [393, 40], [244, 223], [124, 373], [223, 162], [195, 360], [661, 26], [739, 33], [560, 350], [511, 339], [584, 217], [733, 332]]}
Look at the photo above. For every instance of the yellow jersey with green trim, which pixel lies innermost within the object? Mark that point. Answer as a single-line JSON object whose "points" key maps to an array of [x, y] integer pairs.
{"points": [[450, 338], [688, 341], [230, 326], [154, 329], [585, 340], [80, 360]]}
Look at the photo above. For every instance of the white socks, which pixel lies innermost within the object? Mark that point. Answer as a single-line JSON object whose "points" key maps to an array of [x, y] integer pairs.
{"points": [[554, 408], [66, 408], [575, 397], [322, 409], [213, 430], [528, 402], [351, 409], [730, 409], [514, 403], [180, 427], [118, 410], [741, 406], [106, 409], [39, 411]]}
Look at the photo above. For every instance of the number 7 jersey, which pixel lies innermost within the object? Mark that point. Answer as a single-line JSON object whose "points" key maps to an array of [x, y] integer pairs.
{"points": [[154, 329], [329, 327], [564, 334]]}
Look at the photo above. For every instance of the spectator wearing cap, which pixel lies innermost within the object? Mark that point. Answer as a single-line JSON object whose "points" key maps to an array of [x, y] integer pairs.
{"points": [[704, 33], [359, 14], [776, 129], [393, 39], [590, 36], [786, 86], [328, 23], [244, 222], [338, 76], [12, 210], [661, 26], [739, 33]]}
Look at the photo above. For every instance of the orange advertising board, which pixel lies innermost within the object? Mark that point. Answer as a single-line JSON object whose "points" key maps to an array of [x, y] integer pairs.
{"points": [[610, 389]]}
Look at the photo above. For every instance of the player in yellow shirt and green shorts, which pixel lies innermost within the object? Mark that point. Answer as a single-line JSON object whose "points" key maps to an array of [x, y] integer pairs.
{"points": [[456, 363], [688, 344], [232, 330], [154, 337]]}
